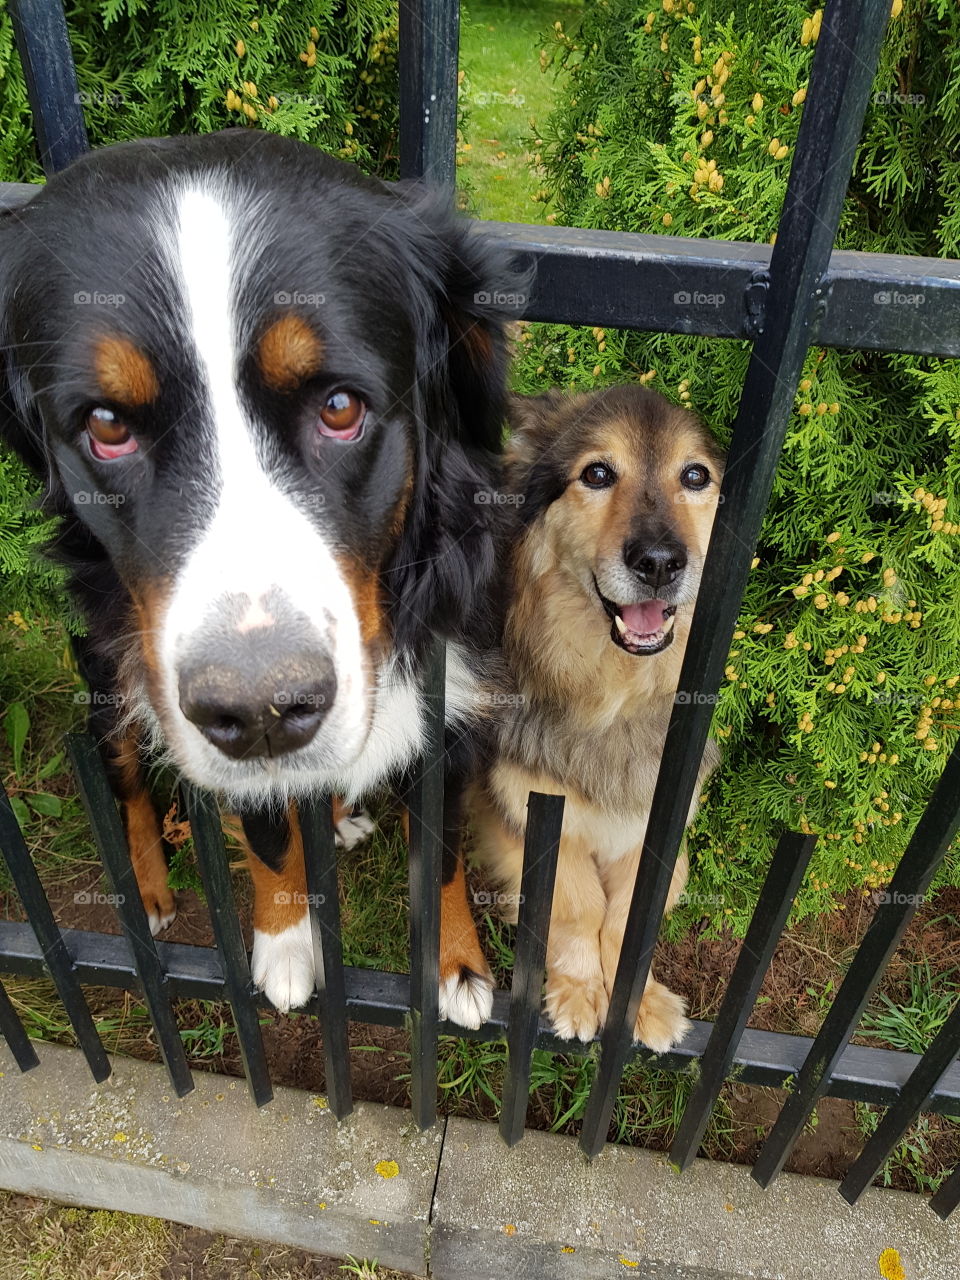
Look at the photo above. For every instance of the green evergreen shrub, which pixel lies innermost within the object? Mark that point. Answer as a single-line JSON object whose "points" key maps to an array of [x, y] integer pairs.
{"points": [[842, 697], [324, 72]]}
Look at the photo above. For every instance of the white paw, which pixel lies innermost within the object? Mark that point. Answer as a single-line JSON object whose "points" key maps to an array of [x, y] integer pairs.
{"points": [[354, 829], [466, 998], [282, 965], [159, 922]]}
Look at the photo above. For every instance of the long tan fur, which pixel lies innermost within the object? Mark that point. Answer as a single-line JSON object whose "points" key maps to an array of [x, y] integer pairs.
{"points": [[588, 719]]}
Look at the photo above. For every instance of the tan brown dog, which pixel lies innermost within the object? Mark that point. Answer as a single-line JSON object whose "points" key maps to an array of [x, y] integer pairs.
{"points": [[616, 493]]}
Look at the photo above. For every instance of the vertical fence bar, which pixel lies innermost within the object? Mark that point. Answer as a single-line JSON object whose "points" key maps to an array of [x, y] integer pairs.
{"points": [[429, 49], [840, 81], [320, 856], [11, 1028], [903, 1112], [238, 984], [40, 31], [779, 889], [540, 848], [54, 949], [934, 833], [947, 1197], [101, 810], [425, 805]]}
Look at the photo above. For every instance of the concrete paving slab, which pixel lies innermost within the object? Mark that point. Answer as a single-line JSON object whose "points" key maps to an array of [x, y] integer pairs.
{"points": [[540, 1211], [287, 1173], [455, 1203]]}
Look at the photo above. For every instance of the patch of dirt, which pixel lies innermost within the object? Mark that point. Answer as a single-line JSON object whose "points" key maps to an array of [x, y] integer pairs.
{"points": [[808, 958], [826, 1150]]}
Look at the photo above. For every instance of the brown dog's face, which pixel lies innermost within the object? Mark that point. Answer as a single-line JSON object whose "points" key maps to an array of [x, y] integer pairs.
{"points": [[625, 486]]}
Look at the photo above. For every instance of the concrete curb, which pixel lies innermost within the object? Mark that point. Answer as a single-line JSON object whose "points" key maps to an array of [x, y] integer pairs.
{"points": [[287, 1173], [455, 1203]]}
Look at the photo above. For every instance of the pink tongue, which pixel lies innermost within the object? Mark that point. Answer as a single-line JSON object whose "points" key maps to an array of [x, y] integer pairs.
{"points": [[644, 619]]}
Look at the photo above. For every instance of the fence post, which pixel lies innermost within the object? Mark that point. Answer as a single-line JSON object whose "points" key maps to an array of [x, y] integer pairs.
{"points": [[425, 807], [429, 48], [40, 30], [840, 81]]}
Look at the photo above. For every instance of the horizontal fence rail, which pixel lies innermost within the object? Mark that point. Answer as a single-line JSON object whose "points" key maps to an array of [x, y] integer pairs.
{"points": [[782, 299], [769, 1058], [623, 280]]}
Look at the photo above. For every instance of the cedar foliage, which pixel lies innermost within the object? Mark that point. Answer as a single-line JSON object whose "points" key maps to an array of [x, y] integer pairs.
{"points": [[842, 693]]}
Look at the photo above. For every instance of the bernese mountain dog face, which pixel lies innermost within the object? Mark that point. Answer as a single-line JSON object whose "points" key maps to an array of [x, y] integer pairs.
{"points": [[261, 387]]}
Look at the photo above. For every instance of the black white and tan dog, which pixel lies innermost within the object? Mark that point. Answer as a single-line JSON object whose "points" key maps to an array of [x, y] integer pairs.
{"points": [[263, 390], [615, 493]]}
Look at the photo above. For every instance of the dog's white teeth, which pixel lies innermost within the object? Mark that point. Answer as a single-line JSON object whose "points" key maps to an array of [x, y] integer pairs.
{"points": [[621, 625], [668, 622]]}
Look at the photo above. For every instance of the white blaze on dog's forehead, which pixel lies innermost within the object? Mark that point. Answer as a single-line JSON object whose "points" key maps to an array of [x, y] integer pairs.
{"points": [[255, 540]]}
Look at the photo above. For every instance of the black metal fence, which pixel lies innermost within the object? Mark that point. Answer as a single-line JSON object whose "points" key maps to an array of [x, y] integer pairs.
{"points": [[782, 299]]}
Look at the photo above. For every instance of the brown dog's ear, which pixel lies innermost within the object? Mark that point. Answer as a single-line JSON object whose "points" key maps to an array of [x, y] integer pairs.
{"points": [[531, 421], [532, 467]]}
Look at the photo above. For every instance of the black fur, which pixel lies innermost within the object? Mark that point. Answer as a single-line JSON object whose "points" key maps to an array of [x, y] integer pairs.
{"points": [[405, 320], [267, 831]]}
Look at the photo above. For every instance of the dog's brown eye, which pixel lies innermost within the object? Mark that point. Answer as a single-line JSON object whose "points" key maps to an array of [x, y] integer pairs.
{"points": [[695, 477], [598, 476], [342, 416], [108, 436]]}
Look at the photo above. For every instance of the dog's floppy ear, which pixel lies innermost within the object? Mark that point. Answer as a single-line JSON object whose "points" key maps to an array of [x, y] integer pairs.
{"points": [[20, 424], [532, 469], [531, 422], [462, 293]]}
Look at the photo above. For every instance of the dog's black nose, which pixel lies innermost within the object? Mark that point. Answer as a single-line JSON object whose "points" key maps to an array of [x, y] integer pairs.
{"points": [[656, 563], [267, 714]]}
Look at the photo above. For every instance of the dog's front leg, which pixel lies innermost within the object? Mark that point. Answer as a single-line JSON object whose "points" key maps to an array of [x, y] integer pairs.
{"points": [[466, 983], [142, 827], [282, 962], [661, 1019], [576, 999]]}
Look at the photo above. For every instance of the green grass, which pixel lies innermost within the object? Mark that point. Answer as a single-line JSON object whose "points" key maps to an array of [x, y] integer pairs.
{"points": [[44, 1241], [49, 1242], [373, 888], [42, 698], [912, 1020], [920, 1157], [505, 96]]}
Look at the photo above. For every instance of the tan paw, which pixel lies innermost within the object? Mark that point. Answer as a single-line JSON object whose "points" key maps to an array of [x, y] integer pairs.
{"points": [[661, 1021], [576, 1006]]}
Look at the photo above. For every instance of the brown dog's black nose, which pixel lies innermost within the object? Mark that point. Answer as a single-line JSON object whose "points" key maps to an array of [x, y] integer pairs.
{"points": [[266, 714], [656, 562]]}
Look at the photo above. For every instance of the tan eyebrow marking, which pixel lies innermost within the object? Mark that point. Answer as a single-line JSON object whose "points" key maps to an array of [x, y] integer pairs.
{"points": [[124, 372], [289, 353]]}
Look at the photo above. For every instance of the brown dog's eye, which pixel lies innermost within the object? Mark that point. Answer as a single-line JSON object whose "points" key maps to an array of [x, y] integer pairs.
{"points": [[598, 476], [695, 477], [342, 416], [109, 437]]}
